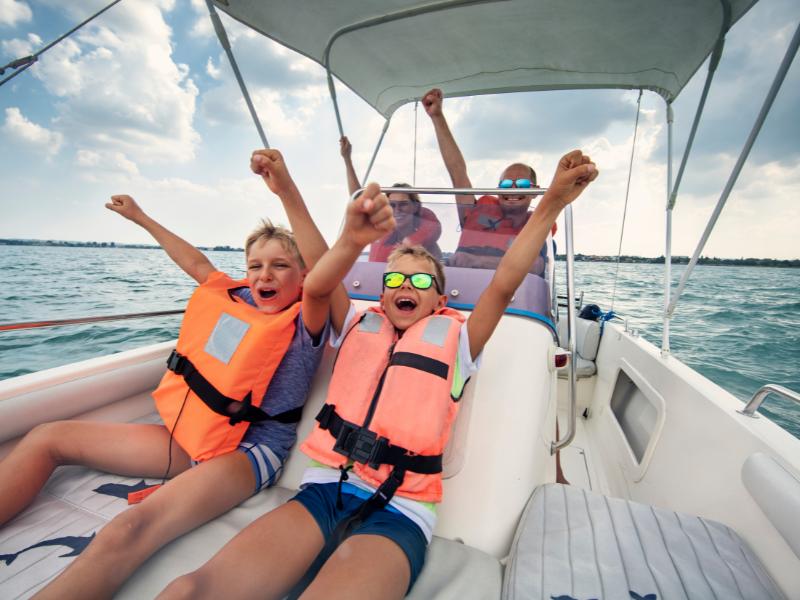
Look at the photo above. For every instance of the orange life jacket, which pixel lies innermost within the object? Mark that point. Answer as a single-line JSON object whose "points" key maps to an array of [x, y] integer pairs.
{"points": [[390, 401], [486, 230], [227, 351]]}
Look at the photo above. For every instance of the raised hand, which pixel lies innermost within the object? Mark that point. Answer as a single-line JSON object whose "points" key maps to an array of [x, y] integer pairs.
{"points": [[126, 206], [345, 147], [369, 217], [575, 171], [272, 168], [432, 102]]}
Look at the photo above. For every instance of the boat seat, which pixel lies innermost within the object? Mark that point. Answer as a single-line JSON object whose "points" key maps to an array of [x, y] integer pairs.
{"points": [[76, 502], [587, 335], [574, 544]]}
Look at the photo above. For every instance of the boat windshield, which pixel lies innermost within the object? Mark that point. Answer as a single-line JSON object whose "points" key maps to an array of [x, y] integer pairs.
{"points": [[470, 240], [473, 236]]}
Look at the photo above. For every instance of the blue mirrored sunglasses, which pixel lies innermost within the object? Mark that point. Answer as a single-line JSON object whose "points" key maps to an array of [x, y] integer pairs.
{"points": [[521, 183]]}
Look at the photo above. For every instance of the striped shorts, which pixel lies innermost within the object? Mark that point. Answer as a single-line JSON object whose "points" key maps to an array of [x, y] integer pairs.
{"points": [[266, 464]]}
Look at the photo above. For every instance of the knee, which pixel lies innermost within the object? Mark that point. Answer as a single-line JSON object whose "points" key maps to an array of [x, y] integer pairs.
{"points": [[125, 531], [45, 438], [187, 586]]}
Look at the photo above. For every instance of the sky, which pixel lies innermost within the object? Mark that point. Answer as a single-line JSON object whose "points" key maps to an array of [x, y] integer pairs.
{"points": [[142, 101]]}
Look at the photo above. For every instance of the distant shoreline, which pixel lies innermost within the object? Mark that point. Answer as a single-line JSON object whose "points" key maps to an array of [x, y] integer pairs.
{"points": [[660, 260], [684, 260], [109, 245]]}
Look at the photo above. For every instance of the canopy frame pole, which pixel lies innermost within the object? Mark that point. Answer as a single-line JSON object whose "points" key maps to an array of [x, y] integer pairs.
{"points": [[791, 51], [716, 56], [665, 352], [375, 154], [332, 90], [226, 45]]}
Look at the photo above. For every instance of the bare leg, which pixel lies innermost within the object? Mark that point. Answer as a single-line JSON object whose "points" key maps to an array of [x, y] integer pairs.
{"points": [[265, 560], [364, 566], [123, 449], [194, 497], [559, 473]]}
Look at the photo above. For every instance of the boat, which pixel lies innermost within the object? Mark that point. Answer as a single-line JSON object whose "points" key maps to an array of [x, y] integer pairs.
{"points": [[679, 490]]}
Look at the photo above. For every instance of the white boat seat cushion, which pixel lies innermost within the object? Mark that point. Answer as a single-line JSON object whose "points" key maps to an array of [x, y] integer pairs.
{"points": [[574, 544], [583, 368]]}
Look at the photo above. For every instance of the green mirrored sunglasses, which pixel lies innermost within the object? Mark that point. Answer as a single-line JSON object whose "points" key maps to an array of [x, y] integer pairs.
{"points": [[421, 281]]}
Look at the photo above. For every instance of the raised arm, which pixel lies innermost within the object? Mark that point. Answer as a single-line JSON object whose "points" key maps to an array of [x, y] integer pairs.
{"points": [[346, 148], [186, 256], [369, 217], [272, 168], [575, 171], [453, 159]]}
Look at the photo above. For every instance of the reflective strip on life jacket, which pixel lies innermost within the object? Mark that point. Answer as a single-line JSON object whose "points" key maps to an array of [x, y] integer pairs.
{"points": [[235, 348], [405, 400]]}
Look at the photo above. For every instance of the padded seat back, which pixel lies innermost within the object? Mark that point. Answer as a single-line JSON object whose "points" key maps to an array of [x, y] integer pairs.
{"points": [[574, 544]]}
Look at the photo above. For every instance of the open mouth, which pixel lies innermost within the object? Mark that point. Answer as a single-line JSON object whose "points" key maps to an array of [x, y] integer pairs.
{"points": [[405, 305], [266, 294]]}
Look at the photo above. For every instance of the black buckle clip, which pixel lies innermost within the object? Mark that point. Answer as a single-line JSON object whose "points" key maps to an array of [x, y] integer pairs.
{"points": [[175, 362], [324, 416], [387, 489], [359, 444]]}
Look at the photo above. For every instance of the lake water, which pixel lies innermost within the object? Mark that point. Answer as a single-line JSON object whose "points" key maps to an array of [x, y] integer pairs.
{"points": [[737, 326]]}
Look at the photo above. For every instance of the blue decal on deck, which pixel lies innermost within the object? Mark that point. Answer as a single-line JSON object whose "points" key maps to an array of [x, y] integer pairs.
{"points": [[77, 544], [120, 490], [636, 596]]}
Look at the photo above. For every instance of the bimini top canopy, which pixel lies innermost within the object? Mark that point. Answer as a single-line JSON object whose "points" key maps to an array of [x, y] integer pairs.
{"points": [[390, 52]]}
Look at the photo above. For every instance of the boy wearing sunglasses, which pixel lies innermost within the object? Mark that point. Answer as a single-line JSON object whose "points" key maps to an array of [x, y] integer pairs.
{"points": [[489, 224], [361, 524]]}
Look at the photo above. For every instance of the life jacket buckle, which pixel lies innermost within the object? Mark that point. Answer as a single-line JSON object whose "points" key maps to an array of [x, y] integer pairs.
{"points": [[175, 362], [360, 444]]}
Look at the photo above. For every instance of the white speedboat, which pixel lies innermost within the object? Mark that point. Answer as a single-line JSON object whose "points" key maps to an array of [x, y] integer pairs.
{"points": [[678, 490]]}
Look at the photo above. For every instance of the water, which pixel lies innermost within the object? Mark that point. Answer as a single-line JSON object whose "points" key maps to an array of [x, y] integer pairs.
{"points": [[737, 326]]}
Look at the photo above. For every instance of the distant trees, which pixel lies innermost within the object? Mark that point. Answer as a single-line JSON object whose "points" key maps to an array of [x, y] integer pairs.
{"points": [[684, 260]]}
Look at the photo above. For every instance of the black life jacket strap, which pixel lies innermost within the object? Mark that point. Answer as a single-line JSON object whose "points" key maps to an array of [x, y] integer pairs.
{"points": [[364, 446], [347, 525], [218, 402]]}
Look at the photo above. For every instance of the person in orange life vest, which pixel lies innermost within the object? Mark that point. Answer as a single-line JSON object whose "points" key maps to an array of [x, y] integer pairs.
{"points": [[489, 224], [412, 220], [193, 495], [386, 551]]}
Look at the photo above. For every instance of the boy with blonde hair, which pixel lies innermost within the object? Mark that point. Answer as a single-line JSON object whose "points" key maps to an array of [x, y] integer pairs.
{"points": [[376, 469], [207, 479]]}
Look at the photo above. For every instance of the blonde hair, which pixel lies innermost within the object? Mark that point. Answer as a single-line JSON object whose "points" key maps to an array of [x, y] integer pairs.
{"points": [[267, 231], [406, 248]]}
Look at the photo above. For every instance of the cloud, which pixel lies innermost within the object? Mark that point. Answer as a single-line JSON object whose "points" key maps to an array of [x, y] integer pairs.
{"points": [[104, 166], [30, 137], [17, 48], [118, 88], [13, 12]]}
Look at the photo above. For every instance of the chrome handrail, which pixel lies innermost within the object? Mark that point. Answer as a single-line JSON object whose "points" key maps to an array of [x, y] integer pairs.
{"points": [[761, 395], [62, 322], [567, 439], [458, 192]]}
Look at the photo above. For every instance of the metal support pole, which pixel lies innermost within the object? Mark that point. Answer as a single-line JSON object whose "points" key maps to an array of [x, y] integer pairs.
{"points": [[791, 51], [668, 254], [332, 89], [567, 439], [374, 154], [716, 55], [226, 45]]}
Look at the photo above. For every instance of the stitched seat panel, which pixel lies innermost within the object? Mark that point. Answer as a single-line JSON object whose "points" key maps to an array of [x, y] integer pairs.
{"points": [[581, 545]]}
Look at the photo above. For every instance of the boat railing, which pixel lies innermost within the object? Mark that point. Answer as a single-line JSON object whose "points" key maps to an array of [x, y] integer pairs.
{"points": [[761, 395], [84, 320]]}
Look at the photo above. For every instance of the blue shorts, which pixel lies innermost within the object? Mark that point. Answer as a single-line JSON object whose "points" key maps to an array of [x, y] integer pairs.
{"points": [[267, 466], [320, 501]]}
